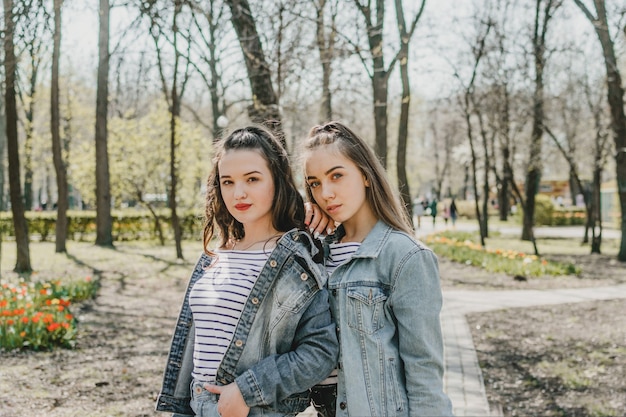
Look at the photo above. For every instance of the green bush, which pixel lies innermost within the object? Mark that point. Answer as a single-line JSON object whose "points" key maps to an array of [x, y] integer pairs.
{"points": [[544, 210], [128, 224]]}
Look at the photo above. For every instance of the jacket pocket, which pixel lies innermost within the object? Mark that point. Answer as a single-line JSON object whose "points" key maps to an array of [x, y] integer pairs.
{"points": [[295, 287], [365, 308]]}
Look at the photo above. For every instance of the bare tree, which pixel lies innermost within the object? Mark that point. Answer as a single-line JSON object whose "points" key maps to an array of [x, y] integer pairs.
{"points": [[544, 11], [33, 38], [104, 221], [3, 146], [209, 22], [468, 107], [406, 33], [378, 73], [326, 36], [57, 150], [615, 94], [173, 94], [22, 264], [264, 107]]}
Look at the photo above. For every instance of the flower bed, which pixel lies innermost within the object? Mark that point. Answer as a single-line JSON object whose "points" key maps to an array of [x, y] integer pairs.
{"points": [[461, 247], [37, 315]]}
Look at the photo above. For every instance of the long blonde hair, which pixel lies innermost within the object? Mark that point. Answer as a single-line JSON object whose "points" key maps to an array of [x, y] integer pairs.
{"points": [[380, 195]]}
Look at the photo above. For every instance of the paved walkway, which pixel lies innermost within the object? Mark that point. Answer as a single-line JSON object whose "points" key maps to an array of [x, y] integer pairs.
{"points": [[463, 378]]}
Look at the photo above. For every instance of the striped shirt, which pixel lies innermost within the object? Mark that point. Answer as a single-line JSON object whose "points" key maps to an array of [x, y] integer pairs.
{"points": [[217, 300], [340, 253]]}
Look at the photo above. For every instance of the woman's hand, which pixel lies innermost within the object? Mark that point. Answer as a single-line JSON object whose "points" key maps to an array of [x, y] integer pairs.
{"points": [[231, 402], [318, 222]]}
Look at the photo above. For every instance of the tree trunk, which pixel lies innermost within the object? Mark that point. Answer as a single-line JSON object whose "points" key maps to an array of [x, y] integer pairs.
{"points": [[22, 264], [618, 118], [326, 50], [174, 116], [3, 146], [264, 108], [173, 172], [533, 174], [57, 153], [596, 212], [403, 127], [104, 222]]}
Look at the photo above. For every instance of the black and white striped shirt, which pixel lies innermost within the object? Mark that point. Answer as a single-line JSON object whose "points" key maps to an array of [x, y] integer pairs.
{"points": [[217, 300], [340, 253]]}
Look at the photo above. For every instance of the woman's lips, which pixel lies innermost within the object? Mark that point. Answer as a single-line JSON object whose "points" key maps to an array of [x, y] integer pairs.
{"points": [[333, 208], [242, 207]]}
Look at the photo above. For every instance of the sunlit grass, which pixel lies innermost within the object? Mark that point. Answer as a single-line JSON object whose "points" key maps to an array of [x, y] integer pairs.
{"points": [[463, 247]]}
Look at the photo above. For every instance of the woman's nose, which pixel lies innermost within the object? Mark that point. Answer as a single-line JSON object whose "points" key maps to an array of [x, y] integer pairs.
{"points": [[327, 192], [240, 191]]}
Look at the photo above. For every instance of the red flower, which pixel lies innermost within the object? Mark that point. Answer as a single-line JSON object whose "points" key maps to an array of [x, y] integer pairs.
{"points": [[53, 326]]}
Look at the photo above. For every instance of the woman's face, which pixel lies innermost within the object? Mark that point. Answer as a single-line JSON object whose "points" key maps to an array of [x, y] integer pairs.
{"points": [[247, 186], [337, 184]]}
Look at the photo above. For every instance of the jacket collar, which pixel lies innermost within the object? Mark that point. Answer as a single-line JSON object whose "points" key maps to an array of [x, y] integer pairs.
{"points": [[373, 243], [295, 241]]}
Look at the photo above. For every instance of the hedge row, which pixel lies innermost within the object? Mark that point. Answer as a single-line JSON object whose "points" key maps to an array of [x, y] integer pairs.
{"points": [[546, 213], [127, 225]]}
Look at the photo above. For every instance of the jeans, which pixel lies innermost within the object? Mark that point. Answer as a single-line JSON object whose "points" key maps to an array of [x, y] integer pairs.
{"points": [[203, 403], [324, 399]]}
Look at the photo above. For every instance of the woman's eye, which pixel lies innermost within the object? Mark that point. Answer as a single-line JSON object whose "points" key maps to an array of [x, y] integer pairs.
{"points": [[226, 182], [336, 176], [253, 179], [314, 184]]}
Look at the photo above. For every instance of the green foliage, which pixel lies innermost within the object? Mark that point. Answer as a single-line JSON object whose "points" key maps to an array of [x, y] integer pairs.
{"points": [[462, 247], [139, 159], [544, 210], [128, 224], [37, 315]]}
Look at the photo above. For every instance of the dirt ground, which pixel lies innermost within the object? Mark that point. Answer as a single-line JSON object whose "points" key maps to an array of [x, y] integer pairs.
{"points": [[563, 360], [124, 335]]}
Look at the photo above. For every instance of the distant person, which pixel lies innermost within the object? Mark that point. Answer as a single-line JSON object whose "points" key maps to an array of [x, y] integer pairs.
{"points": [[255, 331], [433, 210], [418, 209], [384, 287], [454, 213], [446, 214]]}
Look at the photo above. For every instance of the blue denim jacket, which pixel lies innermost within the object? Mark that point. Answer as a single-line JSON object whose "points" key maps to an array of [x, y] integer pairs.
{"points": [[284, 343], [386, 301]]}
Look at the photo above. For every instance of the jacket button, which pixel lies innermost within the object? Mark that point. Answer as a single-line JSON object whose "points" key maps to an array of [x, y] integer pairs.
{"points": [[334, 293], [342, 405], [255, 301], [296, 237], [273, 263], [239, 343], [304, 276]]}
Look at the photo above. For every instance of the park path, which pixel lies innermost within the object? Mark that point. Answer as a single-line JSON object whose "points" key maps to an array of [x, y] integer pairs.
{"points": [[463, 379]]}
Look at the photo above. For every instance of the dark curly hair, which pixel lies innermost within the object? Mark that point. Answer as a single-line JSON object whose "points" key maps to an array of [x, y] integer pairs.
{"points": [[288, 204]]}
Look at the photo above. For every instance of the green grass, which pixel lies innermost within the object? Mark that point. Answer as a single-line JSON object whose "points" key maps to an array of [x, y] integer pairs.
{"points": [[36, 310], [463, 247]]}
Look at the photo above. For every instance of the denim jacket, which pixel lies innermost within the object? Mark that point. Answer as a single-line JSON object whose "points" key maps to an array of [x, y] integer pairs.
{"points": [[284, 343], [386, 301]]}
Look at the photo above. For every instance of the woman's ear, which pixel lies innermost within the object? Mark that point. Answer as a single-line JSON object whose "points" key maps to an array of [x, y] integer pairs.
{"points": [[366, 181]]}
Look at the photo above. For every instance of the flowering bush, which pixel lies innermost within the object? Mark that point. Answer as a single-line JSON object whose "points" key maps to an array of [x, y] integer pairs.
{"points": [[459, 247], [36, 315]]}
